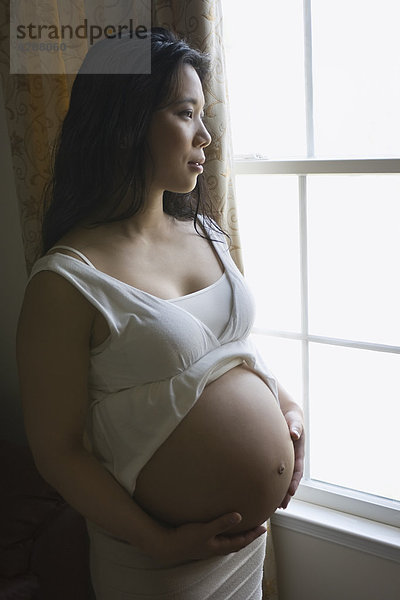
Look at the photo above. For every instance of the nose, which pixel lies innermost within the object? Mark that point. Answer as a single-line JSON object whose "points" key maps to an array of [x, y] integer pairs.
{"points": [[203, 138]]}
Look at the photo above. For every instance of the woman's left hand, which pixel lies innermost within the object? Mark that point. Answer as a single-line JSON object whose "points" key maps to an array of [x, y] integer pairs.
{"points": [[294, 420]]}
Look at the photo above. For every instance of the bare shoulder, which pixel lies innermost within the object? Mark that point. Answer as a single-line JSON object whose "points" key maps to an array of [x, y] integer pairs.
{"points": [[51, 290], [52, 306], [53, 357], [82, 238]]}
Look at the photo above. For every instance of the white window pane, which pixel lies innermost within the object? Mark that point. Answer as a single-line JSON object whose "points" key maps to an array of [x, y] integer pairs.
{"points": [[265, 77], [269, 232], [354, 417], [283, 357], [356, 77], [354, 257]]}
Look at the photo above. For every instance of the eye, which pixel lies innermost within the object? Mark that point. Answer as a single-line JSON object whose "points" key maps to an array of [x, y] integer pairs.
{"points": [[189, 113]]}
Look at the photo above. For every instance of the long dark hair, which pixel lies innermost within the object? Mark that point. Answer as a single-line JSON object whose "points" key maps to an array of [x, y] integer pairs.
{"points": [[98, 158]]}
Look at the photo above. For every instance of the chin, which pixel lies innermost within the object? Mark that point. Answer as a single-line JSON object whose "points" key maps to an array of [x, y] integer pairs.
{"points": [[182, 189]]}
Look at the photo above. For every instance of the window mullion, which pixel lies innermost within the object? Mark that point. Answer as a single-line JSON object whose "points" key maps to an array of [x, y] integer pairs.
{"points": [[310, 166], [304, 313], [308, 73], [308, 77]]}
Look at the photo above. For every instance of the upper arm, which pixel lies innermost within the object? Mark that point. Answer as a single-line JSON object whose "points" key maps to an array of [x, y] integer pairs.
{"points": [[53, 351]]}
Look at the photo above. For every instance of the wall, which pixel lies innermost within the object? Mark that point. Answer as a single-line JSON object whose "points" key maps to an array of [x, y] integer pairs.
{"points": [[13, 278], [314, 569], [309, 568]]}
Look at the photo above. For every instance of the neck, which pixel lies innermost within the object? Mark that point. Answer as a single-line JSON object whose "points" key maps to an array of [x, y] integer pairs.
{"points": [[148, 221], [151, 219], [147, 224]]}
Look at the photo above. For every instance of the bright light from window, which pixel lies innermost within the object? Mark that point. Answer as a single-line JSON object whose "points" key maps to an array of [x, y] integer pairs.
{"points": [[355, 77], [268, 217], [355, 411], [353, 221], [354, 250], [265, 70]]}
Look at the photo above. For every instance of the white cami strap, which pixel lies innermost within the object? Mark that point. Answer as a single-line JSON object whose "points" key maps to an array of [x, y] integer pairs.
{"points": [[82, 256]]}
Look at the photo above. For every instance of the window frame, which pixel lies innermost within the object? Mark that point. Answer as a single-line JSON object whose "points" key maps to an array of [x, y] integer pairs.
{"points": [[313, 492], [345, 500]]}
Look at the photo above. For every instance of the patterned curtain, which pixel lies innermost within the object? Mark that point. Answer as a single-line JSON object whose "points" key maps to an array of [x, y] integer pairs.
{"points": [[36, 106], [201, 24]]}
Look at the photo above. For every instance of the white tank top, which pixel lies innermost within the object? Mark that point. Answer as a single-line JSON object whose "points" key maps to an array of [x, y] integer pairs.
{"points": [[212, 305], [150, 371]]}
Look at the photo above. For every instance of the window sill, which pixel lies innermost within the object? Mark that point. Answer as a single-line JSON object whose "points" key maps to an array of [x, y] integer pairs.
{"points": [[340, 528]]}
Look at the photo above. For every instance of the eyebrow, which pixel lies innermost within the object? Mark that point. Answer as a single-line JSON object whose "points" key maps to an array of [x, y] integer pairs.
{"points": [[189, 100]]}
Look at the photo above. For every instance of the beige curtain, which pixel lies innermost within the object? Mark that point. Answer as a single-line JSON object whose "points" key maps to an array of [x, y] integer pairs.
{"points": [[36, 105], [201, 24]]}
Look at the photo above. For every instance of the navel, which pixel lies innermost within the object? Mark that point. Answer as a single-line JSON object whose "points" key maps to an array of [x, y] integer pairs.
{"points": [[281, 469]]}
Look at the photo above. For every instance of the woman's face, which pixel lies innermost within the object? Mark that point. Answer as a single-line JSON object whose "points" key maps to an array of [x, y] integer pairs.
{"points": [[177, 136]]}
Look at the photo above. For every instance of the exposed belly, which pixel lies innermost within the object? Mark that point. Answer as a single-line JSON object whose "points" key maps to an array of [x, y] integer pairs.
{"points": [[232, 452]]}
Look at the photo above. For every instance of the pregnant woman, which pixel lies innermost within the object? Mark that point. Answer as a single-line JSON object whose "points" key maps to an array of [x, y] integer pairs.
{"points": [[146, 405]]}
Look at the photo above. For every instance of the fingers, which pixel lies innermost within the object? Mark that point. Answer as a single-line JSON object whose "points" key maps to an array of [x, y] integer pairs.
{"points": [[204, 540], [224, 523], [298, 466], [225, 544], [296, 431], [294, 484], [299, 449], [222, 543], [299, 446], [295, 424], [285, 501]]}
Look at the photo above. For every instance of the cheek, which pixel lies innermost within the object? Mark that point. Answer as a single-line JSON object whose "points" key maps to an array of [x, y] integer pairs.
{"points": [[177, 137], [170, 145], [175, 145]]}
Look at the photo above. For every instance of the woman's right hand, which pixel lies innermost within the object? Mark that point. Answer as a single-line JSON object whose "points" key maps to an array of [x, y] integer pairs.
{"points": [[194, 541]]}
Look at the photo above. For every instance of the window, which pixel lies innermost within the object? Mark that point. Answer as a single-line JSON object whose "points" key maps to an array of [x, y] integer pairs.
{"points": [[317, 177]]}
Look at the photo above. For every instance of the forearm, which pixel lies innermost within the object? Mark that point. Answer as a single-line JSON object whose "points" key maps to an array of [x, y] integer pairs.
{"points": [[286, 401], [89, 488]]}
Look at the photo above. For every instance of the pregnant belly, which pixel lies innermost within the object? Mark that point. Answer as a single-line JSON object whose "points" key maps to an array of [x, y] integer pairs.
{"points": [[232, 452]]}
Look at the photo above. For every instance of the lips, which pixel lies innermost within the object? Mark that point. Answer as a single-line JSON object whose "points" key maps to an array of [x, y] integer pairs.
{"points": [[192, 162], [196, 166]]}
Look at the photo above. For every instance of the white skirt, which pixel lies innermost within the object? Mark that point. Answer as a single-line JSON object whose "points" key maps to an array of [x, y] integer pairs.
{"points": [[120, 572]]}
